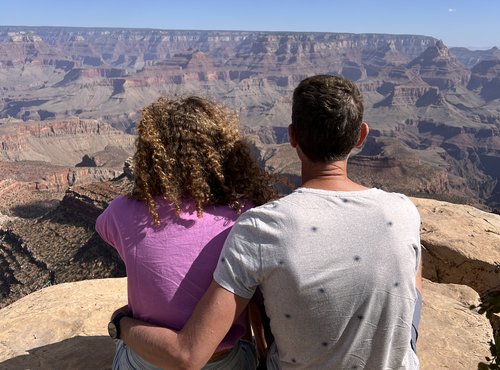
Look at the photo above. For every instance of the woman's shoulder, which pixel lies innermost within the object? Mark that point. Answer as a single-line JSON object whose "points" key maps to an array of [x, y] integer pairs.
{"points": [[120, 200], [124, 203]]}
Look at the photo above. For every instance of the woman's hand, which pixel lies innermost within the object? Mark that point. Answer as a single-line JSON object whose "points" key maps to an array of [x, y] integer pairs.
{"points": [[126, 311]]}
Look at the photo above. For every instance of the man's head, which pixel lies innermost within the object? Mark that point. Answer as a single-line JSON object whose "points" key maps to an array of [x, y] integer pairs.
{"points": [[327, 113]]}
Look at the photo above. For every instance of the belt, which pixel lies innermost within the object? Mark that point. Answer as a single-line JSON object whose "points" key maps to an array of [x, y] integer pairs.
{"points": [[219, 355]]}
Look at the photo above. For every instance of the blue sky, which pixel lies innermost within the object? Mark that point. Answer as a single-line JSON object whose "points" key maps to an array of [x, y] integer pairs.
{"points": [[469, 23]]}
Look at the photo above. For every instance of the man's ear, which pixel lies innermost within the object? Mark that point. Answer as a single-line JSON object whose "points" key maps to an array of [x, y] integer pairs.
{"points": [[292, 135], [363, 133]]}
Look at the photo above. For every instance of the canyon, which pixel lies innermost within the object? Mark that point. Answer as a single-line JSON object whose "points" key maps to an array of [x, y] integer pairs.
{"points": [[70, 99], [434, 112]]}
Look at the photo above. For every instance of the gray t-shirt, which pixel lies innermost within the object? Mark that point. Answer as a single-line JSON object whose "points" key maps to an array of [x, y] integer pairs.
{"points": [[337, 272]]}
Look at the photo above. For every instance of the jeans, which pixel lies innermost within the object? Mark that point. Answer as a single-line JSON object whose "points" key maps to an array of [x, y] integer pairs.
{"points": [[242, 357]]}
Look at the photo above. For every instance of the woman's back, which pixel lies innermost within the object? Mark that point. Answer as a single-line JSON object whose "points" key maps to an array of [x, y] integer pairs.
{"points": [[193, 176], [169, 267]]}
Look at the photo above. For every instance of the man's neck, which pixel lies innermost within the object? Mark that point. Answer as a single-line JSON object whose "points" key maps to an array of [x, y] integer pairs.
{"points": [[328, 176]]}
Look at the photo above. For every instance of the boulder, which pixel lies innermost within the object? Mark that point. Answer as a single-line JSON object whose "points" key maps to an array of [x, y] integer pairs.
{"points": [[61, 327], [64, 327], [451, 335], [461, 244]]}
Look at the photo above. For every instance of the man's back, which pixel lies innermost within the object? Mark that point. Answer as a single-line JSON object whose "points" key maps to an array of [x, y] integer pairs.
{"points": [[337, 272]]}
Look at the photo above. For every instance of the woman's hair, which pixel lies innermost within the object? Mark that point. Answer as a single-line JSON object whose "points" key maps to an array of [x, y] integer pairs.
{"points": [[191, 147]]}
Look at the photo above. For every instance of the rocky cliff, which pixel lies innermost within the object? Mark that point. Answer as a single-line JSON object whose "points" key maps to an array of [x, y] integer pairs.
{"points": [[47, 329], [59, 246], [69, 98], [439, 107], [40, 160], [60, 142]]}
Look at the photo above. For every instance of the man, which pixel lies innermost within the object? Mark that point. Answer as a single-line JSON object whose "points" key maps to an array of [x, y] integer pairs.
{"points": [[337, 263]]}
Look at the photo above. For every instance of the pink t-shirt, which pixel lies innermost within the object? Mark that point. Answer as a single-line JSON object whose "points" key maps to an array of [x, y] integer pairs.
{"points": [[169, 267]]}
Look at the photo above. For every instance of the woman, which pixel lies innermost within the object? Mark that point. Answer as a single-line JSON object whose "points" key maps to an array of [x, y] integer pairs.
{"points": [[193, 177]]}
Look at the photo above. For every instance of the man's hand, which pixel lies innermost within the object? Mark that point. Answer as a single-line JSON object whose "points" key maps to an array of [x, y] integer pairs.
{"points": [[192, 347]]}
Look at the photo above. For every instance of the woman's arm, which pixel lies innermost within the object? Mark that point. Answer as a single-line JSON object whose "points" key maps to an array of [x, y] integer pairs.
{"points": [[418, 277], [418, 307]]}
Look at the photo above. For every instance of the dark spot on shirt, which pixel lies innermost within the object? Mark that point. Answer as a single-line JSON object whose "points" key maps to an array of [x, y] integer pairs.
{"points": [[345, 200], [389, 223], [324, 344], [223, 259], [321, 290], [281, 262], [294, 360], [396, 284], [314, 228], [287, 315], [357, 258], [360, 317]]}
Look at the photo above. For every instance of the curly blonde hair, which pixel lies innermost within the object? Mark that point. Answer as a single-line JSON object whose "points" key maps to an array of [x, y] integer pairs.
{"points": [[192, 147]]}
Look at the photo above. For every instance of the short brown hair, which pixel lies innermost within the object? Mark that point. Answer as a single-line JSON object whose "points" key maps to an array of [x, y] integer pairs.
{"points": [[327, 113]]}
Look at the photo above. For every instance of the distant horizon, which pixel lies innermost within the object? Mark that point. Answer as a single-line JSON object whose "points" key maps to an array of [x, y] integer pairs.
{"points": [[470, 24], [472, 48]]}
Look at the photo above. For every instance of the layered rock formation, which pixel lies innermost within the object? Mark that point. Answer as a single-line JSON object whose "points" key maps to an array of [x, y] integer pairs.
{"points": [[440, 106], [110, 74], [470, 58], [60, 142], [40, 160]]}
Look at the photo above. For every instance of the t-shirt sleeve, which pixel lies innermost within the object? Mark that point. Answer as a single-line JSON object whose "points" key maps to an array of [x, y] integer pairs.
{"points": [[239, 266], [416, 230], [107, 227], [412, 218]]}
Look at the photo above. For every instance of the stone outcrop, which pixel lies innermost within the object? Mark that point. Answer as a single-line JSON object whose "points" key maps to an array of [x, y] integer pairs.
{"points": [[34, 188], [61, 327], [61, 246], [486, 79], [461, 245], [438, 68], [46, 331], [412, 95], [451, 336]]}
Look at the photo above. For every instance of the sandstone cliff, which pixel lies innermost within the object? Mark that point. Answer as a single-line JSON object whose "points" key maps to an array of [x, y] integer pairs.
{"points": [[60, 142], [440, 107]]}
